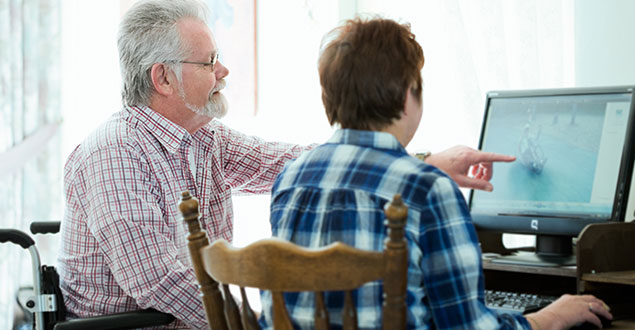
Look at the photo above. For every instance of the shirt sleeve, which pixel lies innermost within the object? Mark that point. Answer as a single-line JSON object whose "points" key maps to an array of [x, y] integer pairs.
{"points": [[128, 221], [452, 266], [251, 164]]}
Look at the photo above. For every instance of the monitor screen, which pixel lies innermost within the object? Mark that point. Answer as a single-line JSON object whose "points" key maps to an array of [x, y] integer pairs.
{"points": [[571, 146]]}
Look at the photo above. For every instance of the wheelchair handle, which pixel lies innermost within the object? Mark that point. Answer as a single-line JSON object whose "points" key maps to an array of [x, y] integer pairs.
{"points": [[45, 227], [26, 242], [16, 237]]}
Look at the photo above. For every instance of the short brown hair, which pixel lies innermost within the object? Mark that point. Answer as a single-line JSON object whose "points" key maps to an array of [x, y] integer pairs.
{"points": [[366, 67]]}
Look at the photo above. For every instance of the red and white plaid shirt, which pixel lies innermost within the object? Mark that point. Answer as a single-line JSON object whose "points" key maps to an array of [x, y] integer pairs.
{"points": [[123, 245]]}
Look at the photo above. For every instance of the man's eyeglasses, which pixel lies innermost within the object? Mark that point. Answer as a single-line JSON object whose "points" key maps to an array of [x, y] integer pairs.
{"points": [[210, 66]]}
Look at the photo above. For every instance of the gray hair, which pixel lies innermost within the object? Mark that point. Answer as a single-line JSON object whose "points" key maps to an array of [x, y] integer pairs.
{"points": [[148, 34]]}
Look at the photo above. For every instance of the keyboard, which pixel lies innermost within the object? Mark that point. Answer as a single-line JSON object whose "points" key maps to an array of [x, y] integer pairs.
{"points": [[516, 303]]}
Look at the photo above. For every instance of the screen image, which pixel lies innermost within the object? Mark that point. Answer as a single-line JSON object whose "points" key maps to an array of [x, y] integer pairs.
{"points": [[568, 150]]}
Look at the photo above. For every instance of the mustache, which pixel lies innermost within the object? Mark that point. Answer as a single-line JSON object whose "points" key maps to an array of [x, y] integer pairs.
{"points": [[219, 85]]}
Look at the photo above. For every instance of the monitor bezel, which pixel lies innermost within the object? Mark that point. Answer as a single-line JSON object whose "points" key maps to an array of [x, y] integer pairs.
{"points": [[559, 225]]}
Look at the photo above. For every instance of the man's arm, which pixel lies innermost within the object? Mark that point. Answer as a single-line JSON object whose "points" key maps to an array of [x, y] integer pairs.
{"points": [[128, 220], [470, 168], [251, 164]]}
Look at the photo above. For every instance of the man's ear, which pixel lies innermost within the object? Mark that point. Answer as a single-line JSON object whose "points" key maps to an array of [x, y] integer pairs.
{"points": [[412, 105], [163, 80], [408, 100]]}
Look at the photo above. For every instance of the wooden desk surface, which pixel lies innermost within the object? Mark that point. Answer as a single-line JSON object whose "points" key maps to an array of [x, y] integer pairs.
{"points": [[622, 277], [623, 324]]}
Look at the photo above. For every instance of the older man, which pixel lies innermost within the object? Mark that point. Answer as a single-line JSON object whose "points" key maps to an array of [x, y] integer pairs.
{"points": [[123, 246]]}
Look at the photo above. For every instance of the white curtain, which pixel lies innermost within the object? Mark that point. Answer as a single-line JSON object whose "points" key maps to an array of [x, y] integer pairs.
{"points": [[475, 46], [30, 173]]}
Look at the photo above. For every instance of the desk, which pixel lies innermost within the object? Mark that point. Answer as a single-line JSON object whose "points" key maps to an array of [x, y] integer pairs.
{"points": [[623, 325], [605, 256]]}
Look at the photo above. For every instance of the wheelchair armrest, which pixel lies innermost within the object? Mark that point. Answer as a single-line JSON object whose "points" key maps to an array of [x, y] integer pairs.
{"points": [[45, 227], [126, 320]]}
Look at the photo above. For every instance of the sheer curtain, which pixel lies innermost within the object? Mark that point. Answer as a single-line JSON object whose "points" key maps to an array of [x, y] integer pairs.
{"points": [[474, 46], [471, 47], [29, 143]]}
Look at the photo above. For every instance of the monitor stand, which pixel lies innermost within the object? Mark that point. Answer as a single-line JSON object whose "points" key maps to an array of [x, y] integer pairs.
{"points": [[551, 251]]}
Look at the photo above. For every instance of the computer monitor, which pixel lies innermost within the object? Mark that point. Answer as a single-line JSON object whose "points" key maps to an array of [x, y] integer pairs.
{"points": [[574, 150]]}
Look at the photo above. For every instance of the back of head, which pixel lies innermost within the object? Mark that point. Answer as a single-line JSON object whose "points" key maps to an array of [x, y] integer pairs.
{"points": [[149, 34], [366, 67]]}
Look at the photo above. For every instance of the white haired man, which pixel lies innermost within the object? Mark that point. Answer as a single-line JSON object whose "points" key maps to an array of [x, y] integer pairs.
{"points": [[123, 246]]}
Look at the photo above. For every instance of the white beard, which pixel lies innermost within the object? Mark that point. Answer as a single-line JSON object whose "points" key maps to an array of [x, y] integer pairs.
{"points": [[216, 106]]}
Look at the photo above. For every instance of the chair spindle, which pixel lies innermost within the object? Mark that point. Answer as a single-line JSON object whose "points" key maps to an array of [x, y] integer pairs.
{"points": [[281, 319], [349, 314], [321, 314], [396, 276], [232, 313], [250, 321], [212, 298]]}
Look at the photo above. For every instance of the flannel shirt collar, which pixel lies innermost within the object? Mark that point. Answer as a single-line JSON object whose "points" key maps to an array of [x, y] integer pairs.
{"points": [[371, 139], [170, 135]]}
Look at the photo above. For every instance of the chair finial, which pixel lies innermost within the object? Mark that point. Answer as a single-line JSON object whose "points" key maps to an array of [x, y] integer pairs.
{"points": [[396, 209], [189, 209]]}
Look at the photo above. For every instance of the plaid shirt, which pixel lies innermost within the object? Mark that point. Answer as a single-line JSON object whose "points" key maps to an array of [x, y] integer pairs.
{"points": [[337, 192], [124, 246]]}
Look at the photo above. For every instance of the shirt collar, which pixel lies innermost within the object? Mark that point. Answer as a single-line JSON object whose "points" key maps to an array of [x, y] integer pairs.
{"points": [[169, 134], [372, 139]]}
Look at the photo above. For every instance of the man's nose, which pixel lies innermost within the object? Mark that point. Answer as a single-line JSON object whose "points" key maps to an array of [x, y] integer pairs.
{"points": [[221, 71]]}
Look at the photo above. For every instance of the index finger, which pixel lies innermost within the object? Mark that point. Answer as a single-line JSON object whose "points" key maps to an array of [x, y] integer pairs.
{"points": [[482, 156]]}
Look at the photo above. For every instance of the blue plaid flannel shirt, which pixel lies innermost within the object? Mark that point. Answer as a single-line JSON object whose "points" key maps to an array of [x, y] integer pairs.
{"points": [[337, 192]]}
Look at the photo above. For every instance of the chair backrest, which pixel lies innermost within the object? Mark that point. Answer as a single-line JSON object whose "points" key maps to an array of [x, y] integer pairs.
{"points": [[280, 266]]}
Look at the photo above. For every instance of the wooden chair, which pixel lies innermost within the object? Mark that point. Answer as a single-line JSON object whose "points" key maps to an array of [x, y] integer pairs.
{"points": [[280, 266]]}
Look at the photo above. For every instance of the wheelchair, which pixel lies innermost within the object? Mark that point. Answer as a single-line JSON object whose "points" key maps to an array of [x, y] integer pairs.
{"points": [[46, 305]]}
